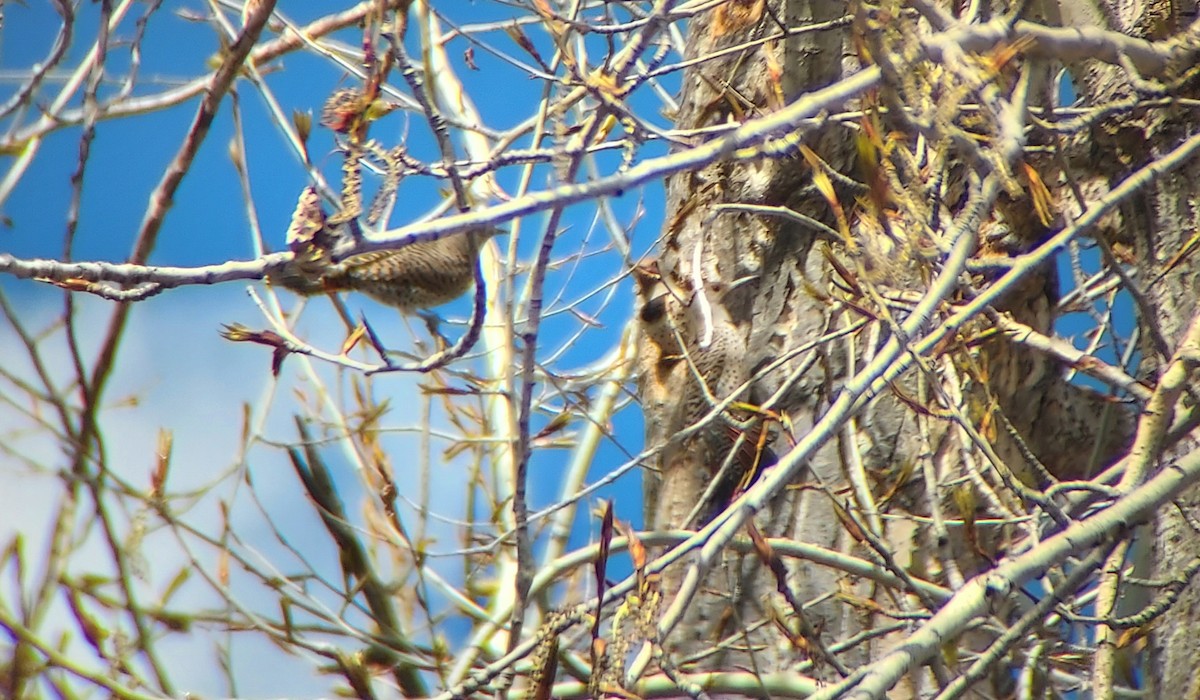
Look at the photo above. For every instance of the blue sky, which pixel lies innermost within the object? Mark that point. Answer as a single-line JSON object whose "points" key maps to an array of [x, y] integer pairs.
{"points": [[176, 373]]}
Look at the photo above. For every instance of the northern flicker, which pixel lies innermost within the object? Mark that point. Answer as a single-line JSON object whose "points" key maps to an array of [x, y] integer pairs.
{"points": [[661, 374], [660, 311], [670, 311], [721, 362], [680, 384], [733, 454], [418, 276]]}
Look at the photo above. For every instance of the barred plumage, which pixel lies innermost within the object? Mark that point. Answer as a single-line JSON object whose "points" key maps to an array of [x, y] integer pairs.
{"points": [[418, 276]]}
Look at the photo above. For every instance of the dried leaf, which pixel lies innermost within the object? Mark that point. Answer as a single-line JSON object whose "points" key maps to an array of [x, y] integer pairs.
{"points": [[303, 122], [1184, 251], [223, 567], [1002, 55], [775, 96], [637, 550], [847, 521], [238, 333], [445, 390], [1043, 201], [733, 15], [517, 34], [899, 479], [601, 564], [825, 186], [176, 583], [842, 271], [353, 339], [92, 630], [964, 501], [602, 133], [557, 423], [236, 156], [162, 465]]}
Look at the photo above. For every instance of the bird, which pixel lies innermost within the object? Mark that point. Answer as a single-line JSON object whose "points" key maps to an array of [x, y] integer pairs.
{"points": [[660, 312], [660, 373], [414, 278], [679, 383]]}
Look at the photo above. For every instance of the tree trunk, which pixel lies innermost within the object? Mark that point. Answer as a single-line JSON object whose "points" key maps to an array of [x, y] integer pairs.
{"points": [[931, 477], [1159, 225]]}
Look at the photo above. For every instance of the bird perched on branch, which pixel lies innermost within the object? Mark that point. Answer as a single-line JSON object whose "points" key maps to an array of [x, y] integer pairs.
{"points": [[418, 276], [413, 278]]}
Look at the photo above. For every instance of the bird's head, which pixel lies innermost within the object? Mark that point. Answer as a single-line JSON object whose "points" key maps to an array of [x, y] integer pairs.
{"points": [[482, 234]]}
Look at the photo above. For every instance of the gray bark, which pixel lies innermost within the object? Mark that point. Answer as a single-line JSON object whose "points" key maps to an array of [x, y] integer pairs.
{"points": [[789, 293], [1157, 225]]}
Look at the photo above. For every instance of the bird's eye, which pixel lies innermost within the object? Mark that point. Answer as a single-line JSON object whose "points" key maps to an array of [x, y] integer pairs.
{"points": [[654, 310]]}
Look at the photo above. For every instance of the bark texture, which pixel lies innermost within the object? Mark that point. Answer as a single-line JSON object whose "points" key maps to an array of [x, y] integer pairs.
{"points": [[979, 427], [1158, 225]]}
